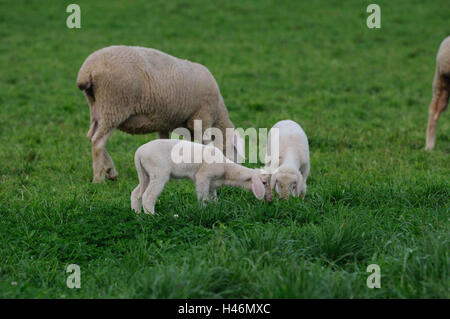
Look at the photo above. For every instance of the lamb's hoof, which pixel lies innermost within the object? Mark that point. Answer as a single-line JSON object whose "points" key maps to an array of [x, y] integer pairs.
{"points": [[136, 209], [111, 174], [148, 212]]}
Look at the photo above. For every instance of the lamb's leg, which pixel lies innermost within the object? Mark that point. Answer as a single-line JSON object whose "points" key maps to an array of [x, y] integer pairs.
{"points": [[144, 179], [202, 186], [212, 193], [136, 203], [98, 143], [152, 192], [438, 104], [304, 169], [303, 190]]}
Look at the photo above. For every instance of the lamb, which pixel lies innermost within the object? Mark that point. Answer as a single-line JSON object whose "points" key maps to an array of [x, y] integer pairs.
{"points": [[141, 90], [159, 160], [291, 168], [441, 91]]}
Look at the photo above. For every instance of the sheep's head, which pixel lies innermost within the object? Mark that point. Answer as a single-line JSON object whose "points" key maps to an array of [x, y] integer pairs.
{"points": [[286, 182]]}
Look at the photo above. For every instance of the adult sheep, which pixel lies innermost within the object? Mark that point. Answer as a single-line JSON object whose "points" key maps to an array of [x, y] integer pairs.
{"points": [[141, 90]]}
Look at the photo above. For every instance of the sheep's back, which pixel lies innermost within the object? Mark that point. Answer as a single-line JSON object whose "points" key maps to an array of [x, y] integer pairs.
{"points": [[146, 81]]}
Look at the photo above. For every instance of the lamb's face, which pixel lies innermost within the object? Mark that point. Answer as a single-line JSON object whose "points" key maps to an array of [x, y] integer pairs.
{"points": [[266, 182], [285, 183], [260, 186]]}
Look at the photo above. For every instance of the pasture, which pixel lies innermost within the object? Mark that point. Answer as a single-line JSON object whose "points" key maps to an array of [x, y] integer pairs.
{"points": [[361, 95]]}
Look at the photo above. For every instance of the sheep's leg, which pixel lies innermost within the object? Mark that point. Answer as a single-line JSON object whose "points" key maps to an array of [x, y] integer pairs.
{"points": [[94, 121], [92, 129], [152, 192], [438, 104], [98, 143], [110, 169]]}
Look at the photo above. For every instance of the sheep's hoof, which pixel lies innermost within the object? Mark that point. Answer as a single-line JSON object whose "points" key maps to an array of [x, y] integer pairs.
{"points": [[111, 174]]}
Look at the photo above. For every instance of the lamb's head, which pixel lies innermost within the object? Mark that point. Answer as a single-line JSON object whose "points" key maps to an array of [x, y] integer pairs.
{"points": [[286, 181], [260, 185]]}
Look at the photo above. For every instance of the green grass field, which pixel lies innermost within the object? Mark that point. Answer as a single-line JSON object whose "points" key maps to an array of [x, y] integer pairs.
{"points": [[362, 95]]}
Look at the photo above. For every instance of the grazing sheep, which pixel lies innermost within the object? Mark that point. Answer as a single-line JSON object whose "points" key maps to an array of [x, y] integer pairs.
{"points": [[142, 90], [291, 168], [159, 160], [441, 91]]}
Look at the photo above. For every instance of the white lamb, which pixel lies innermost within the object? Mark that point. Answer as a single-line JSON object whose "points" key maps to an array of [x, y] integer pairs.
{"points": [[159, 160], [291, 168]]}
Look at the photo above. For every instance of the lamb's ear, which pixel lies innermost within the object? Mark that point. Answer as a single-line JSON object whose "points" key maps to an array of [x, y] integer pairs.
{"points": [[258, 188], [299, 183], [238, 143]]}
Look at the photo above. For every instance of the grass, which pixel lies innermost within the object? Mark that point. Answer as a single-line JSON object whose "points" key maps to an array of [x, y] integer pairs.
{"points": [[374, 195]]}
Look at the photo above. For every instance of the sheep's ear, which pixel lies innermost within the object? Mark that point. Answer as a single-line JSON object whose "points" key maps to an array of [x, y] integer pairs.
{"points": [[258, 188], [238, 143]]}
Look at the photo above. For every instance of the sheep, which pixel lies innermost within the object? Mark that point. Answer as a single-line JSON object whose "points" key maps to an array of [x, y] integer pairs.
{"points": [[142, 90], [159, 160], [441, 91], [290, 169]]}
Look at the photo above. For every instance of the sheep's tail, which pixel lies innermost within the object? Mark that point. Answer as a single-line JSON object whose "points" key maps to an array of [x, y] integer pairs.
{"points": [[144, 178], [85, 82]]}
